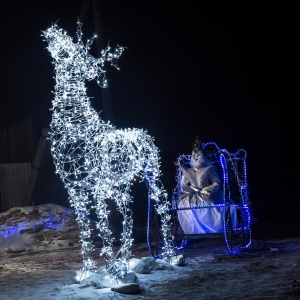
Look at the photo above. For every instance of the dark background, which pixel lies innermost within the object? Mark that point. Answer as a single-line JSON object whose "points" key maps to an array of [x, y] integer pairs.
{"points": [[226, 71]]}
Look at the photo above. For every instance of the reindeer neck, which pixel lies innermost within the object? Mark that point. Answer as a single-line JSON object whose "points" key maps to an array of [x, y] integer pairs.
{"points": [[71, 104]]}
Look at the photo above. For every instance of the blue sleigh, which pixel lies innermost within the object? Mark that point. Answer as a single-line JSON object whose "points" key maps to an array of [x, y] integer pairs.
{"points": [[230, 218]]}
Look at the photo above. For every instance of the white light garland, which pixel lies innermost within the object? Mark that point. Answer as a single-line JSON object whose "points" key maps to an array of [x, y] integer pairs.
{"points": [[96, 161]]}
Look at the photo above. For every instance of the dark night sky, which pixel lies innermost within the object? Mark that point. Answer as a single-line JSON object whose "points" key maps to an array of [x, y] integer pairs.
{"points": [[224, 71]]}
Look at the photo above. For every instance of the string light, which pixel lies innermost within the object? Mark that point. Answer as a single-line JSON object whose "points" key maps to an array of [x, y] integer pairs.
{"points": [[51, 222], [96, 161], [235, 194]]}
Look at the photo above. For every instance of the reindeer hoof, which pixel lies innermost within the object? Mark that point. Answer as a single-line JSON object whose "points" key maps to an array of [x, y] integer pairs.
{"points": [[117, 269]]}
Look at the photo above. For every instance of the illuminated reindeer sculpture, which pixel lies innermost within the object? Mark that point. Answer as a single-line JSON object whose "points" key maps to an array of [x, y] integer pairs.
{"points": [[96, 161]]}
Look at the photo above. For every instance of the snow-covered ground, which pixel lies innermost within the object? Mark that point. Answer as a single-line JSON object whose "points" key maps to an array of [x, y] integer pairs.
{"points": [[40, 254]]}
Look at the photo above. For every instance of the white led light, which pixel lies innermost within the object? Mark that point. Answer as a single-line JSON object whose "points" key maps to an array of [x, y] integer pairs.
{"points": [[96, 161]]}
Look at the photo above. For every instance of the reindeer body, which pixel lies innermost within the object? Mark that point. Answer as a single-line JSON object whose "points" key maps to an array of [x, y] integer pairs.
{"points": [[96, 161]]}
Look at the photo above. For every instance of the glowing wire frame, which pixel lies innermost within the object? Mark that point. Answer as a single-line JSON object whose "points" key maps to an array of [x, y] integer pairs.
{"points": [[96, 161]]}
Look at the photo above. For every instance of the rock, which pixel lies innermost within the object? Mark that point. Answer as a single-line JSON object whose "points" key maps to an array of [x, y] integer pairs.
{"points": [[130, 277], [178, 260], [150, 261], [94, 280], [108, 282], [102, 270], [130, 288], [143, 266], [18, 249], [163, 265]]}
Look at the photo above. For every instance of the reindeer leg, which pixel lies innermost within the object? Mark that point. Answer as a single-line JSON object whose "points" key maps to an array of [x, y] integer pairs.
{"points": [[158, 194], [126, 240], [77, 199], [116, 267], [103, 230]]}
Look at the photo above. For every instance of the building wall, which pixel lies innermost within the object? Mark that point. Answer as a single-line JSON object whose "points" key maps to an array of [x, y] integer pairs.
{"points": [[17, 142], [17, 151], [14, 178]]}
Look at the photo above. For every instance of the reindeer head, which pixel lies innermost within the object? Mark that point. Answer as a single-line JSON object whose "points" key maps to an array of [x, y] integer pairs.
{"points": [[60, 45], [76, 55]]}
